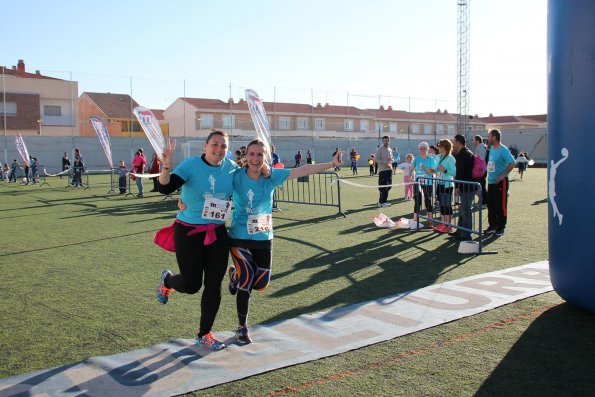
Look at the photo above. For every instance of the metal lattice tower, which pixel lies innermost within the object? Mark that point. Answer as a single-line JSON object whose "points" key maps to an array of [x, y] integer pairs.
{"points": [[463, 68]]}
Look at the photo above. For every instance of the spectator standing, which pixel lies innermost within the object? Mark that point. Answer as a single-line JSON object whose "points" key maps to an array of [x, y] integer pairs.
{"points": [[371, 163], [155, 168], [384, 159], [65, 163], [14, 167], [33, 164], [500, 163], [424, 164], [408, 170], [138, 166], [353, 157], [26, 168], [6, 172], [464, 165], [298, 158], [396, 159], [122, 174], [77, 174], [309, 157], [481, 151], [445, 169]]}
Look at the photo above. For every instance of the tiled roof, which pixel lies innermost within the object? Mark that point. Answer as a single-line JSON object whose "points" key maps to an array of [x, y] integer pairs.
{"points": [[275, 107], [507, 120], [542, 118], [115, 106], [24, 75], [158, 114]]}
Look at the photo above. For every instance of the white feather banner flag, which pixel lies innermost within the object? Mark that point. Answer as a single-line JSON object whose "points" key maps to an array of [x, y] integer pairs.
{"points": [[259, 118], [103, 135], [150, 126], [22, 148]]}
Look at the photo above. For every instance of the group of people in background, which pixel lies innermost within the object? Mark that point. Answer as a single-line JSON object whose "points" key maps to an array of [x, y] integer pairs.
{"points": [[30, 171], [449, 170]]}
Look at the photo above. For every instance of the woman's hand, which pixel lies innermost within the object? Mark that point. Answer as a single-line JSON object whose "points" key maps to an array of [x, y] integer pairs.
{"points": [[167, 156], [181, 205]]}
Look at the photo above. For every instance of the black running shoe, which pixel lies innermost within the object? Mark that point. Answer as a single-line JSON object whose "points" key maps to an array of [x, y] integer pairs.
{"points": [[243, 335]]}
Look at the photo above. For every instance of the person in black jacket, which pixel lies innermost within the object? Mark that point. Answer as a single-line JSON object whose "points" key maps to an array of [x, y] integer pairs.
{"points": [[464, 163]]}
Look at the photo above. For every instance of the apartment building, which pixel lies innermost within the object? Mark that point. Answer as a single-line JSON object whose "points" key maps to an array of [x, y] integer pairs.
{"points": [[196, 117], [34, 104], [116, 112]]}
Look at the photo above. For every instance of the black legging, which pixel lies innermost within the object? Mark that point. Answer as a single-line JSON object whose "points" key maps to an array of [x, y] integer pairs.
{"points": [[427, 189], [196, 259], [253, 266]]}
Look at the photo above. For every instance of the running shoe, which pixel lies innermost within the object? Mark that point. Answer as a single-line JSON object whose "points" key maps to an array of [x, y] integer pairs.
{"points": [[233, 281], [243, 335], [162, 291], [209, 341], [490, 230], [499, 233]]}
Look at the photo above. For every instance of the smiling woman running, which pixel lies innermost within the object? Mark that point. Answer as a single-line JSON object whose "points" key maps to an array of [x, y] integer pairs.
{"points": [[251, 229], [199, 234]]}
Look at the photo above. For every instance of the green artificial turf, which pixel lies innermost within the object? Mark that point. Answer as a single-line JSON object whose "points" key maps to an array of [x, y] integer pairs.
{"points": [[80, 271]]}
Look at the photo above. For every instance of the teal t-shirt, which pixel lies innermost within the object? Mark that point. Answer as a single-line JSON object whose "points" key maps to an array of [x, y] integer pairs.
{"points": [[253, 204], [498, 161], [204, 181], [429, 163], [449, 163]]}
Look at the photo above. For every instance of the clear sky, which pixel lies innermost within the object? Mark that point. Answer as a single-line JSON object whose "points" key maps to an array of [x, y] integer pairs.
{"points": [[334, 51]]}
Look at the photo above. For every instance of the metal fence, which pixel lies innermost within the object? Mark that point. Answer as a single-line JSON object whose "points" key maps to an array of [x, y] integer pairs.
{"points": [[315, 189], [473, 189]]}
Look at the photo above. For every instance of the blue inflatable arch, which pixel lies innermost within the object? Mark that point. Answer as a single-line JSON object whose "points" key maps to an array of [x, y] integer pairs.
{"points": [[571, 137]]}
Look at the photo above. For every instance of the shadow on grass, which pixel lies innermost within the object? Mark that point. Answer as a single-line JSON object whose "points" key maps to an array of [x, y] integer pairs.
{"points": [[79, 243], [136, 376], [141, 206], [401, 269], [555, 356]]}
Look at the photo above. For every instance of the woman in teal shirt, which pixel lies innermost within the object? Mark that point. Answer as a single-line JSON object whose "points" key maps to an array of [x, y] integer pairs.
{"points": [[251, 229], [424, 167], [445, 169]]}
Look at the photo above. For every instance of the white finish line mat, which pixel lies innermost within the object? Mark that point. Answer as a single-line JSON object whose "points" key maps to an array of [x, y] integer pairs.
{"points": [[179, 366]]}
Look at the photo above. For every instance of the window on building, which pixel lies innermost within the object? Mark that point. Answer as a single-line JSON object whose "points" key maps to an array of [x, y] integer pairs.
{"points": [[51, 110], [284, 123], [206, 121], [229, 121], [8, 108], [427, 129], [319, 124], [451, 129], [415, 128], [392, 127], [363, 125], [302, 123], [348, 124], [440, 129]]}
